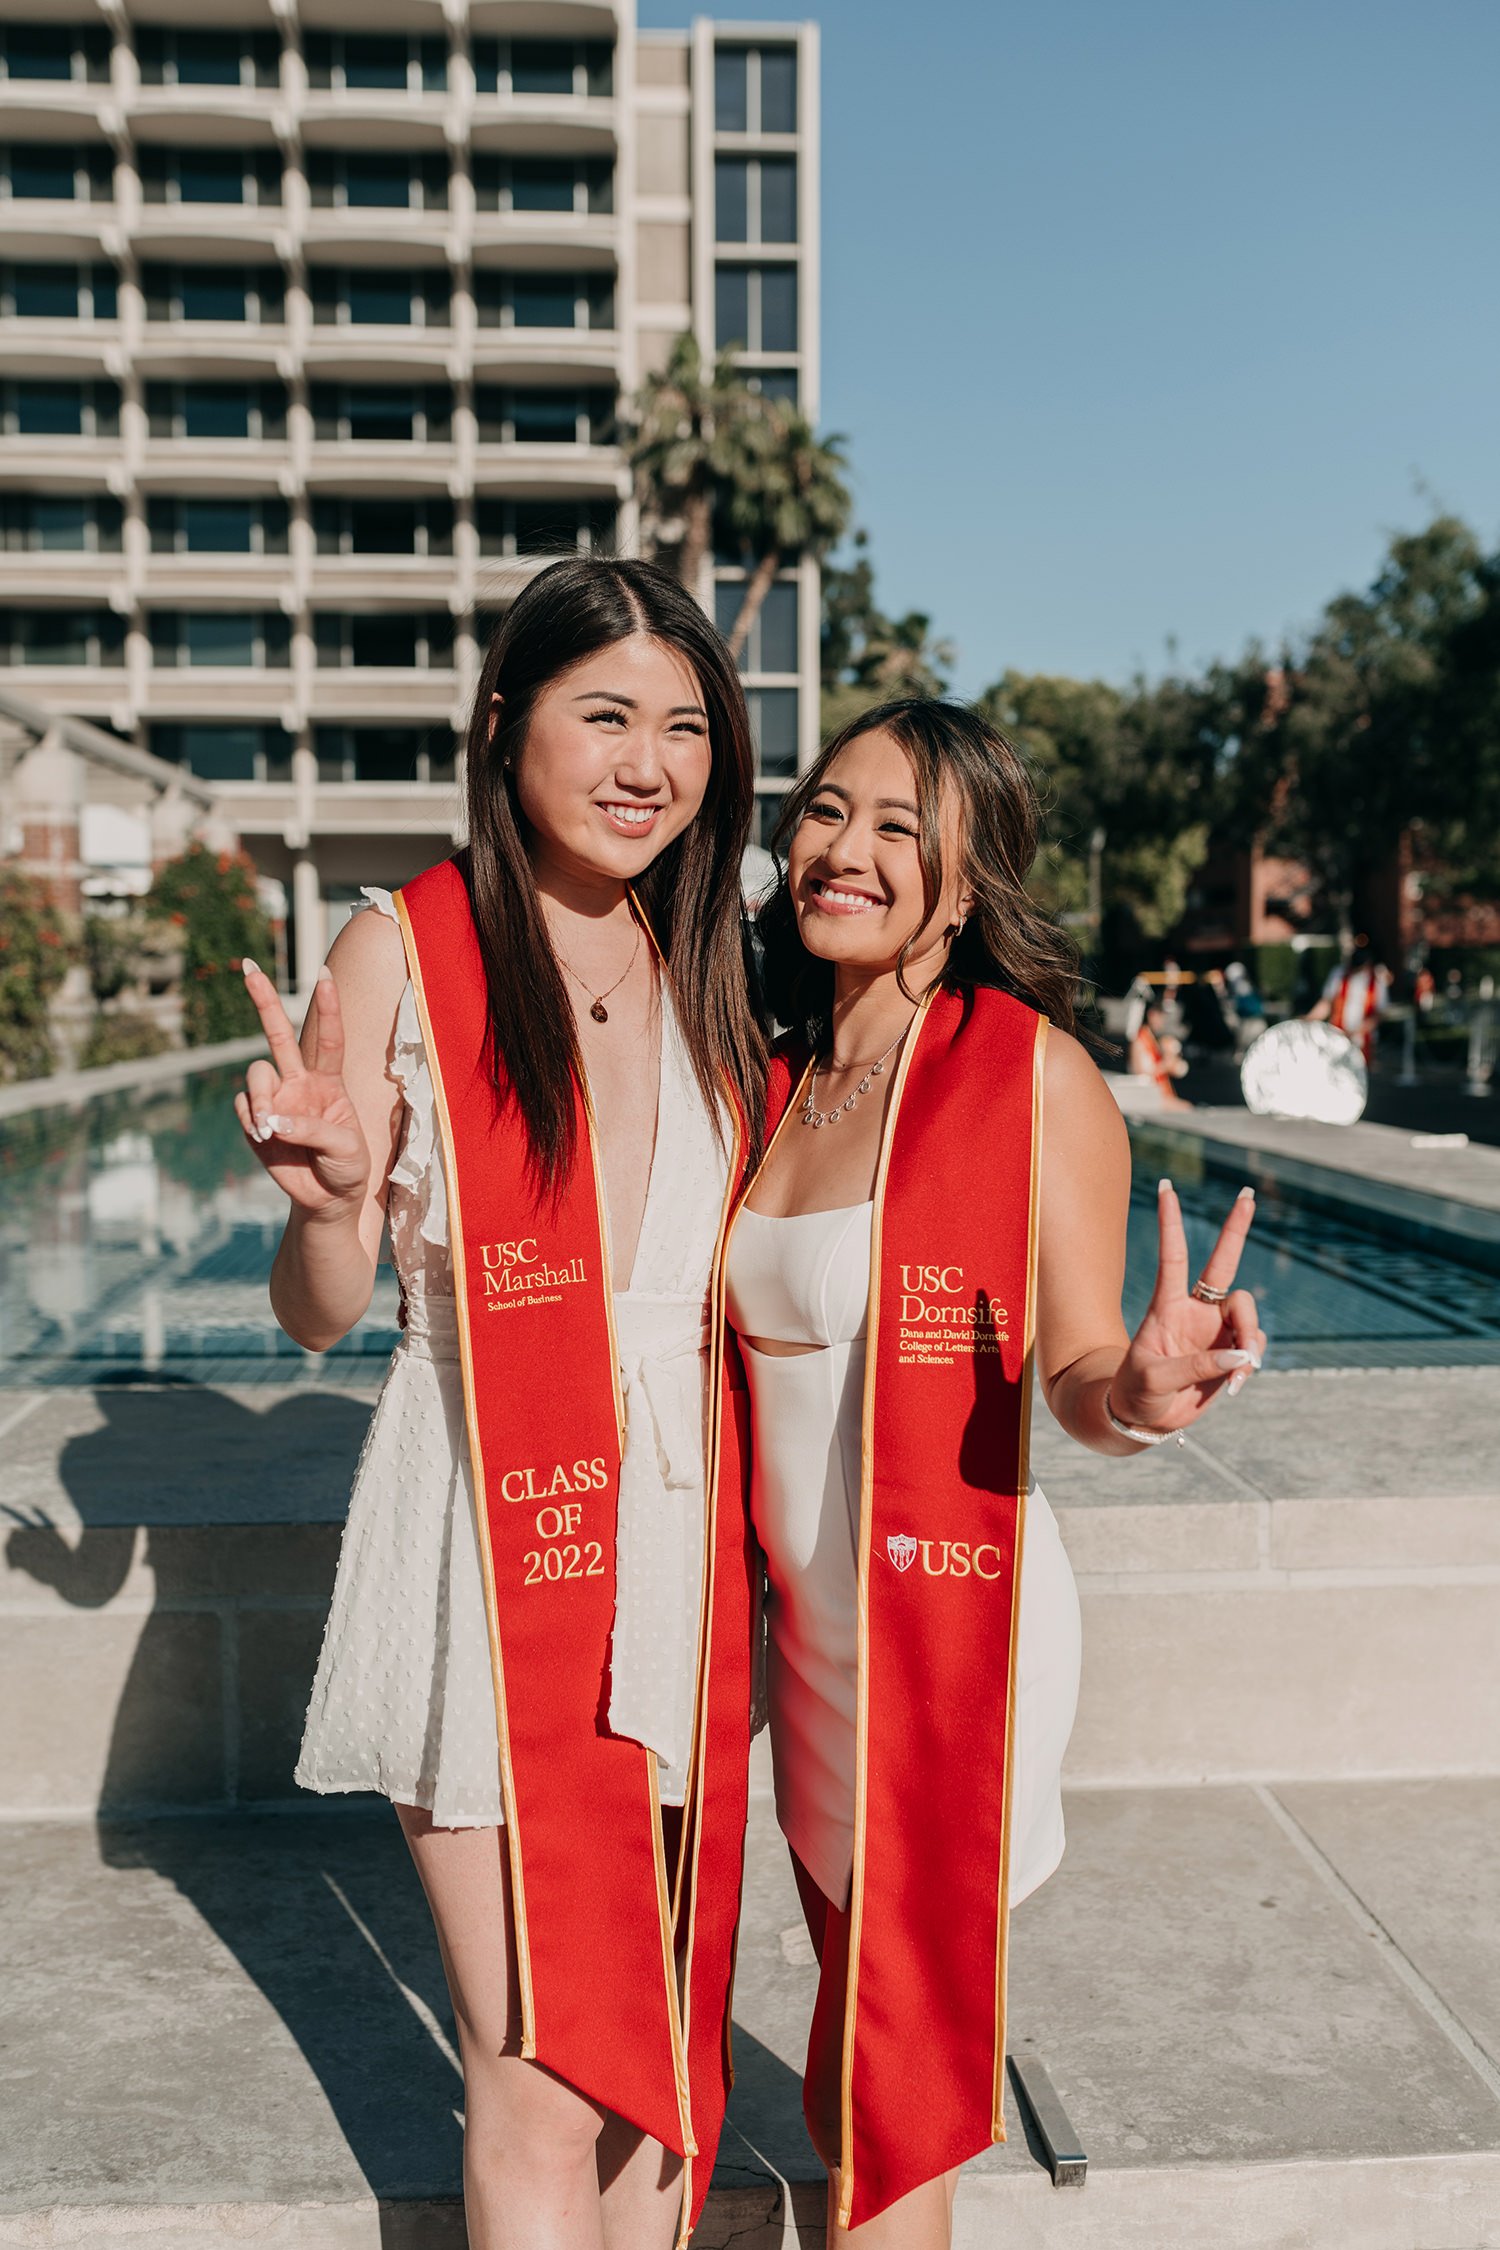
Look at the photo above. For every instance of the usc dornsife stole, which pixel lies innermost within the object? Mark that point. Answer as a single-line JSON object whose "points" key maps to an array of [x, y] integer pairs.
{"points": [[624, 1967], [943, 1494]]}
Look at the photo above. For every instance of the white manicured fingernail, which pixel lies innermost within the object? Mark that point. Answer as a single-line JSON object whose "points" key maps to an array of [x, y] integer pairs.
{"points": [[247, 965], [280, 1125], [1236, 1383], [325, 974], [1226, 1360], [1163, 1187], [1255, 1359], [1246, 1195], [261, 1126]]}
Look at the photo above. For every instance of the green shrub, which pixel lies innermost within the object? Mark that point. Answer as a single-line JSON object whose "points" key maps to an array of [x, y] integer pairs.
{"points": [[36, 948], [1288, 976], [122, 1037], [107, 949], [210, 897]]}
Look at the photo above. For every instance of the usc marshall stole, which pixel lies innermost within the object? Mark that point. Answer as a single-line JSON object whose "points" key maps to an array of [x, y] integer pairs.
{"points": [[624, 1964], [943, 1494]]}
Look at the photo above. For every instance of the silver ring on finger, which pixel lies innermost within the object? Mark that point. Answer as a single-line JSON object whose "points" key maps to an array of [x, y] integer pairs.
{"points": [[1206, 1293]]}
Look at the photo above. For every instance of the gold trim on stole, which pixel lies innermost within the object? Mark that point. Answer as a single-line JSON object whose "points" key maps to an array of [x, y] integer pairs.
{"points": [[664, 1916], [476, 1485], [862, 1688], [698, 1751], [1023, 1479]]}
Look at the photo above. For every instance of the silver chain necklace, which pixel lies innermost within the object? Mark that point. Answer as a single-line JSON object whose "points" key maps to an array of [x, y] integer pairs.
{"points": [[812, 1115]]}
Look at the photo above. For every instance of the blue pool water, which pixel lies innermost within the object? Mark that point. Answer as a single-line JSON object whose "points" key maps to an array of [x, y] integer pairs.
{"points": [[137, 1232]]}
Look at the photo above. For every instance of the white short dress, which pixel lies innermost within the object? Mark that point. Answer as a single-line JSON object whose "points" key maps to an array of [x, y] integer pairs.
{"points": [[403, 1701], [806, 1280]]}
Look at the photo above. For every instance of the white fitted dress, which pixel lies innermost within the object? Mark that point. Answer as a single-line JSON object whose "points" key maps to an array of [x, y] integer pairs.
{"points": [[806, 1280], [403, 1701]]}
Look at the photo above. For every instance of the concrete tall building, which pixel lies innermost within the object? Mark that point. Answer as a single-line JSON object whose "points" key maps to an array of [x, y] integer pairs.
{"points": [[314, 317]]}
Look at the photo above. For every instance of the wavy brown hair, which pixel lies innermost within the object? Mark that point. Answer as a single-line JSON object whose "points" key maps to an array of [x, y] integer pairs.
{"points": [[1006, 941], [690, 893]]}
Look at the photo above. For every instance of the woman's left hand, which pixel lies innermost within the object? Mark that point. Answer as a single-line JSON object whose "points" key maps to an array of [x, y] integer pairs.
{"points": [[1185, 1351]]}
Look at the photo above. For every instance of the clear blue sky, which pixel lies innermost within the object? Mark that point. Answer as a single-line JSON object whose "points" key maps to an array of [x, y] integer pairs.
{"points": [[1152, 318]]}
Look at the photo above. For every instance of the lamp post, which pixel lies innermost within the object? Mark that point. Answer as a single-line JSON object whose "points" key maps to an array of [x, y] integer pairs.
{"points": [[1096, 893]]}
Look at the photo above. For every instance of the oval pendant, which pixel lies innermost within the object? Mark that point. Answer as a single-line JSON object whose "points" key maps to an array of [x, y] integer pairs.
{"points": [[817, 1121], [599, 1012], [833, 1116]]}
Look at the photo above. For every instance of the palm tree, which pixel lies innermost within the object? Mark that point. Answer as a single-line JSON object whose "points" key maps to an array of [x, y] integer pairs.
{"points": [[901, 657], [688, 448], [789, 500]]}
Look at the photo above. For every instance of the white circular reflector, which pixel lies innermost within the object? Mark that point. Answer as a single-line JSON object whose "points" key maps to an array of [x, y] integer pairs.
{"points": [[1305, 1069]]}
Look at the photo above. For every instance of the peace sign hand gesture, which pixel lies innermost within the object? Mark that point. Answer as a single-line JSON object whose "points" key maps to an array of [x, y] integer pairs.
{"points": [[1186, 1350], [299, 1118]]}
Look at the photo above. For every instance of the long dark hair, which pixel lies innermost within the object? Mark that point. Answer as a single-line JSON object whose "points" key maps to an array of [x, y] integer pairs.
{"points": [[690, 893], [1006, 940]]}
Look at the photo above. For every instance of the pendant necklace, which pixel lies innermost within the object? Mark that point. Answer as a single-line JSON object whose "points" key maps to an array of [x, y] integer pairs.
{"points": [[812, 1115], [598, 1011]]}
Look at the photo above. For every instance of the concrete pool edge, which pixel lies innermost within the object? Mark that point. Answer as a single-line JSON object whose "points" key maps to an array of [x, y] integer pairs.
{"points": [[72, 1089], [1345, 1163]]}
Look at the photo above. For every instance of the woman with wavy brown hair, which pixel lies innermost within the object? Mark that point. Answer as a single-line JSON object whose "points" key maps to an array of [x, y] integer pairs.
{"points": [[940, 1211], [539, 1066]]}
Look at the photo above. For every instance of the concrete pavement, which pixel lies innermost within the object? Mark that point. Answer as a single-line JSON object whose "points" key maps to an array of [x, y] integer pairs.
{"points": [[1274, 2017]]}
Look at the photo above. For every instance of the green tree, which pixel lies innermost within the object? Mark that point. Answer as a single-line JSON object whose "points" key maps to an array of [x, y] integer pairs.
{"points": [[789, 500], [1133, 766], [36, 947], [1387, 720], [867, 656], [688, 450], [210, 897]]}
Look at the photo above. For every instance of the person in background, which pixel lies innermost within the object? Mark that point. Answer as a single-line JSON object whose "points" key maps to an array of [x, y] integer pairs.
{"points": [[1154, 1053], [1248, 1006], [1354, 998], [1210, 1022]]}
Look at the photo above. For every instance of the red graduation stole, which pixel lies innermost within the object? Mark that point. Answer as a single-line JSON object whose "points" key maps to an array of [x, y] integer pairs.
{"points": [[625, 1967], [946, 1433]]}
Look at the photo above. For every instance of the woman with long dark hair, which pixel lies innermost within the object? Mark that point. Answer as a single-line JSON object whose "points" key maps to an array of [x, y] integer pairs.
{"points": [[912, 1245], [539, 1066]]}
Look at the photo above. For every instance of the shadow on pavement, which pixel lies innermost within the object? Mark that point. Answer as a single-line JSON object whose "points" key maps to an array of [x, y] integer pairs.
{"points": [[324, 1913]]}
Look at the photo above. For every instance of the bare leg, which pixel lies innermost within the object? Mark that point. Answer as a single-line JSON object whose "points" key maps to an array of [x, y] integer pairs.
{"points": [[640, 2185], [640, 2182], [530, 2177], [922, 2220]]}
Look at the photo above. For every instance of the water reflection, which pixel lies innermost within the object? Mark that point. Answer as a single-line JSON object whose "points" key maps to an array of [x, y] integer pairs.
{"points": [[137, 1233]]}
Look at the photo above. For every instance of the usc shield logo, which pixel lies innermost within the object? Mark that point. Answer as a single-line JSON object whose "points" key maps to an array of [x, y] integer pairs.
{"points": [[902, 1549]]}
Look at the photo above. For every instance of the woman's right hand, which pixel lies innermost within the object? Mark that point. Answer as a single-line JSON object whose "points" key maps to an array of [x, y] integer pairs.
{"points": [[298, 1117]]}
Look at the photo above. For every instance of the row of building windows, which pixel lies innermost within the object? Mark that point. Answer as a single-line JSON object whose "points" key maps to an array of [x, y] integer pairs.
{"points": [[218, 751], [261, 639], [181, 524], [755, 197], [399, 62], [394, 413], [338, 179], [255, 296]]}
